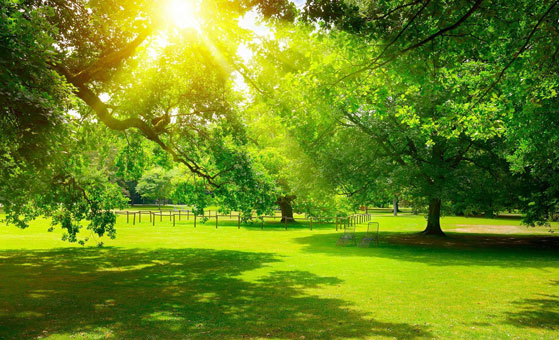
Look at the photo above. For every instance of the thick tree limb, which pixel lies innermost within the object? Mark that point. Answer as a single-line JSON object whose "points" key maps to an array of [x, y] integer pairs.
{"points": [[102, 112], [455, 161], [110, 60], [101, 109], [113, 123], [408, 24]]}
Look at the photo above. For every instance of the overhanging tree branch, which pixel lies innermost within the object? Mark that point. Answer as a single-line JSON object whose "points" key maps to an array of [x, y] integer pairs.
{"points": [[373, 65], [446, 29], [518, 53], [408, 24], [113, 123], [383, 142], [111, 60], [80, 80], [395, 9]]}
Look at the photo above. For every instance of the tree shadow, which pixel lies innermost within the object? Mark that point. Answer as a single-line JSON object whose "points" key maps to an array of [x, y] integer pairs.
{"points": [[171, 294], [455, 249], [536, 313]]}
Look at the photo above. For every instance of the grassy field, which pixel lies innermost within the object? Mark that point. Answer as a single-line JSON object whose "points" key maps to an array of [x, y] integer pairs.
{"points": [[489, 279]]}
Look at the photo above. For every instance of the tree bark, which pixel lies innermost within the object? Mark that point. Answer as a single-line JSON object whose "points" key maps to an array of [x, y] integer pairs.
{"points": [[284, 203], [434, 218], [395, 205]]}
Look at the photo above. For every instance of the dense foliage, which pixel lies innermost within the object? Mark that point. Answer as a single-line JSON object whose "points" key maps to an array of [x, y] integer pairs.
{"points": [[444, 104], [413, 98], [72, 64]]}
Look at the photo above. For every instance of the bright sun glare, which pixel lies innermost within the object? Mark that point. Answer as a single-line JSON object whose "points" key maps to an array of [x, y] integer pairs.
{"points": [[184, 14]]}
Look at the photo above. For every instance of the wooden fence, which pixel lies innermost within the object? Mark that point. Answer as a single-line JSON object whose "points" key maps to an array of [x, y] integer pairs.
{"points": [[340, 221]]}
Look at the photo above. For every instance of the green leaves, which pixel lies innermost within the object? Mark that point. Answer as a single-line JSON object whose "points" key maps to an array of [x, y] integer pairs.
{"points": [[156, 184], [418, 122]]}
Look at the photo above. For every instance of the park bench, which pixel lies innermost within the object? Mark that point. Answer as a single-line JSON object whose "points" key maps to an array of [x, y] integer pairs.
{"points": [[348, 237], [370, 235]]}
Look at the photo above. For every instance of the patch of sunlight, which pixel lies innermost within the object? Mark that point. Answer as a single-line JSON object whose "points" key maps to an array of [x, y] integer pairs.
{"points": [[40, 293], [28, 314], [205, 297], [126, 268], [91, 257], [104, 97], [93, 334], [253, 22], [159, 43], [163, 316], [37, 295], [160, 262], [104, 305]]}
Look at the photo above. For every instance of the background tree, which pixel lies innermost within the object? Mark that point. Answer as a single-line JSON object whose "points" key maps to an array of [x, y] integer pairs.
{"points": [[533, 154], [423, 119], [299, 183], [156, 184], [517, 68]]}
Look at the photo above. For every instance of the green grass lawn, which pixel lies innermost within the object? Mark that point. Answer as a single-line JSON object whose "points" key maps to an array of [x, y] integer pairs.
{"points": [[167, 282]]}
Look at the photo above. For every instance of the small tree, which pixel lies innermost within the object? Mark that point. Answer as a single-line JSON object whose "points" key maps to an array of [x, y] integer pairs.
{"points": [[156, 184], [298, 185]]}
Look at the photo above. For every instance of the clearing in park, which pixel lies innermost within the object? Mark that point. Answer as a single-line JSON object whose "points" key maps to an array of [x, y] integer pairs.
{"points": [[488, 279]]}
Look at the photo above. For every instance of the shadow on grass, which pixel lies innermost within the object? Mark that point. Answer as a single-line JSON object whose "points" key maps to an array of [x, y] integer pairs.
{"points": [[171, 294], [542, 313], [455, 249]]}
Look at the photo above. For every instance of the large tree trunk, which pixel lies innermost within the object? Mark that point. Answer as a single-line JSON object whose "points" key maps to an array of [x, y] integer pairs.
{"points": [[434, 218], [395, 205], [284, 203]]}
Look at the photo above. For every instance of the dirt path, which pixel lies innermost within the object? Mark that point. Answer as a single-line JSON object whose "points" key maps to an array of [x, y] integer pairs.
{"points": [[499, 229]]}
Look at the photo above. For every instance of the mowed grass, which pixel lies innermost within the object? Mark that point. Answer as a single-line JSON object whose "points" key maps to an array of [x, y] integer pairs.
{"points": [[179, 282]]}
